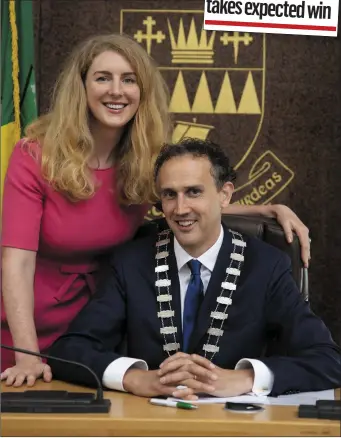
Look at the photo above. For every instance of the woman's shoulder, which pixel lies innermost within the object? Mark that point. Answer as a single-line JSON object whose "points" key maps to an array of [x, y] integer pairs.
{"points": [[25, 159], [27, 148], [26, 152]]}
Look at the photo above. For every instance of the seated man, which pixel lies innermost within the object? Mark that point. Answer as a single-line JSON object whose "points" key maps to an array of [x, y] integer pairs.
{"points": [[193, 301]]}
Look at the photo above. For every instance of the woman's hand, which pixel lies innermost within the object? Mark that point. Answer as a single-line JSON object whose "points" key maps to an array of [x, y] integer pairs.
{"points": [[291, 222], [27, 369]]}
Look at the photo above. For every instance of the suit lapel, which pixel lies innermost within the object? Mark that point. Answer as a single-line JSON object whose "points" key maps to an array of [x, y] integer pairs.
{"points": [[213, 291]]}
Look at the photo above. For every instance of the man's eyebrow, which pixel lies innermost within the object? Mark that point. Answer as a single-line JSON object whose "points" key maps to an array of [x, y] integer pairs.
{"points": [[197, 186], [166, 189], [186, 188]]}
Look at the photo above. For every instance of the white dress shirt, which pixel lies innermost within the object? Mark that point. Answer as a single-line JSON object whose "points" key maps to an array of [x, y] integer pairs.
{"points": [[263, 377]]}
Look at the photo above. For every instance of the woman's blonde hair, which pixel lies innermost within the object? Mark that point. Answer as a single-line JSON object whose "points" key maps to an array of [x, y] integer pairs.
{"points": [[64, 133]]}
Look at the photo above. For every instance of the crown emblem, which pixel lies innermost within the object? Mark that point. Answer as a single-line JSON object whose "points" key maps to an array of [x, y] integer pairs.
{"points": [[194, 49]]}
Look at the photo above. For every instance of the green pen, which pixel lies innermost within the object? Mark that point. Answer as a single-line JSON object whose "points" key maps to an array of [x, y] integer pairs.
{"points": [[172, 404]]}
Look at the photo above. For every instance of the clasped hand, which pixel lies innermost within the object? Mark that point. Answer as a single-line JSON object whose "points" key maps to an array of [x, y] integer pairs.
{"points": [[195, 373]]}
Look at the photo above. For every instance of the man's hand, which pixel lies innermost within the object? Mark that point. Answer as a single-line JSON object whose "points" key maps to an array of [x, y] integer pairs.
{"points": [[201, 375], [182, 369], [27, 369], [147, 384]]}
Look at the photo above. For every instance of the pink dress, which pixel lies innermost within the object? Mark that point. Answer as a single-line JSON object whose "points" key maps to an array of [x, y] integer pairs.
{"points": [[69, 237]]}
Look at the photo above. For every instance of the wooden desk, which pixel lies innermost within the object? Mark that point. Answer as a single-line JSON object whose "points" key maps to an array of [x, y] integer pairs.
{"points": [[131, 415]]}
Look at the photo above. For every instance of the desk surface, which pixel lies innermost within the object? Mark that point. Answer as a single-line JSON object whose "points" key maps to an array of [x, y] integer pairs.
{"points": [[131, 415]]}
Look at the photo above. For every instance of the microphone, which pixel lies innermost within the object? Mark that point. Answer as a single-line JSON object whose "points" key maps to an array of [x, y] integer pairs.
{"points": [[54, 401]]}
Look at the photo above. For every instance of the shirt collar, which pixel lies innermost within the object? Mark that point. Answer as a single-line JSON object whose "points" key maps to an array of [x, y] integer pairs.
{"points": [[207, 259]]}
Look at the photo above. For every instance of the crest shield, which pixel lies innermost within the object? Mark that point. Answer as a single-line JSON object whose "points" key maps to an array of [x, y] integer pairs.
{"points": [[217, 88]]}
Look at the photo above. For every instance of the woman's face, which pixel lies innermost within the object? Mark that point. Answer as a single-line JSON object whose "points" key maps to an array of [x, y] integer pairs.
{"points": [[112, 91]]}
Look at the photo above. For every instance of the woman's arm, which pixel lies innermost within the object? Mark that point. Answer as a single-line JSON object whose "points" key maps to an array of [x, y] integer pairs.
{"points": [[23, 204], [285, 217], [18, 268]]}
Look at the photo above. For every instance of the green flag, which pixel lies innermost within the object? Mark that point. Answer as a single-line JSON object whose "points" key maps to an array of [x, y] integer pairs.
{"points": [[18, 93]]}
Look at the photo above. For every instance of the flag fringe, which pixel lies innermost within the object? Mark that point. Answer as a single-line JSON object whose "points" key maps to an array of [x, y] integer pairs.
{"points": [[15, 70]]}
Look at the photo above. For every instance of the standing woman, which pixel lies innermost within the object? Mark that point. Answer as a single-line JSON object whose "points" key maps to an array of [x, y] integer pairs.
{"points": [[76, 186]]}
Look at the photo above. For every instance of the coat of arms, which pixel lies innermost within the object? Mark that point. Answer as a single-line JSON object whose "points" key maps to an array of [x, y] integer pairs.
{"points": [[217, 82]]}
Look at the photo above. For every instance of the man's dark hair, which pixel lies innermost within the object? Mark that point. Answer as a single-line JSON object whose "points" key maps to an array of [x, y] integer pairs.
{"points": [[222, 171]]}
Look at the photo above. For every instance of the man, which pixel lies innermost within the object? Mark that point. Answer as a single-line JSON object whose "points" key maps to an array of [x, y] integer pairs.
{"points": [[193, 301]]}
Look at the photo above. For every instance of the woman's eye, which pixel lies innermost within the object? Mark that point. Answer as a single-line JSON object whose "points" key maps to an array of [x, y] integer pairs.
{"points": [[130, 80], [102, 79]]}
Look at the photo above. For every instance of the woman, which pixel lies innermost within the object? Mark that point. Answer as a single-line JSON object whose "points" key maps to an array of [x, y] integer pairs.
{"points": [[76, 186]]}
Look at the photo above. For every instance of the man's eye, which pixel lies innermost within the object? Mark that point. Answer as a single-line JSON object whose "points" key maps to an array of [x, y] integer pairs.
{"points": [[168, 195], [194, 192]]}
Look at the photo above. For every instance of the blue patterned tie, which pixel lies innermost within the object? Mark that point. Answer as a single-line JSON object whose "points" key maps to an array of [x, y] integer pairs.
{"points": [[192, 301]]}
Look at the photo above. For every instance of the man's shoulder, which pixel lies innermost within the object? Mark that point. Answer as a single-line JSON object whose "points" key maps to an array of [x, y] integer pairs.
{"points": [[264, 252], [143, 243]]}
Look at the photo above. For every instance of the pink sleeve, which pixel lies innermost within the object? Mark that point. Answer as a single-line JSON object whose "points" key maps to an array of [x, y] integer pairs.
{"points": [[22, 199]]}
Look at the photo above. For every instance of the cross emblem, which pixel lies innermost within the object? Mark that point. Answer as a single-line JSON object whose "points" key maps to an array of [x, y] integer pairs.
{"points": [[149, 36], [236, 39]]}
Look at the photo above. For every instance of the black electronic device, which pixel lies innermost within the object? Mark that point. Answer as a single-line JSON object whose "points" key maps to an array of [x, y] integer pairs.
{"points": [[31, 401], [243, 407], [324, 409]]}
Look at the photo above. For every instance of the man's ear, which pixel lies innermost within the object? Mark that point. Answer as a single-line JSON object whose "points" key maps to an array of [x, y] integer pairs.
{"points": [[226, 194], [158, 203]]}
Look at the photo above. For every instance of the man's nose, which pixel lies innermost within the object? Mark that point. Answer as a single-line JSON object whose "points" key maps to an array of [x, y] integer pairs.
{"points": [[181, 206]]}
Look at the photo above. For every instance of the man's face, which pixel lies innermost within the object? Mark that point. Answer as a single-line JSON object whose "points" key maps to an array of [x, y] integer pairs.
{"points": [[191, 202]]}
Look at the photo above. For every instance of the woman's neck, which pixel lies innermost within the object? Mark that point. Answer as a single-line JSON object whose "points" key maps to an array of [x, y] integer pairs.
{"points": [[105, 140]]}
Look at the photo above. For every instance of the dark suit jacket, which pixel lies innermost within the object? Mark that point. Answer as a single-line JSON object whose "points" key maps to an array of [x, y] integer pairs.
{"points": [[125, 310]]}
